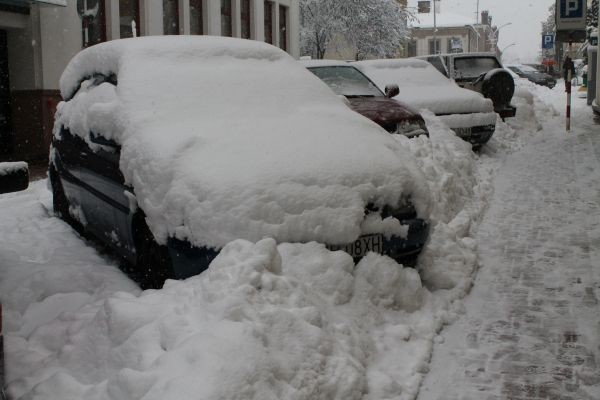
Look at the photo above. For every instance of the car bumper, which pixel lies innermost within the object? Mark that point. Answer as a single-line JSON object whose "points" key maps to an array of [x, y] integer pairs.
{"points": [[188, 260]]}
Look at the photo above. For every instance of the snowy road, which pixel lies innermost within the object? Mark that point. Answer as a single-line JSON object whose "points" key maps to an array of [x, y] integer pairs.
{"points": [[531, 329]]}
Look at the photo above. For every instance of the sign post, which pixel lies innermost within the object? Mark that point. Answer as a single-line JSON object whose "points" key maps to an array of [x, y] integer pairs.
{"points": [[570, 27]]}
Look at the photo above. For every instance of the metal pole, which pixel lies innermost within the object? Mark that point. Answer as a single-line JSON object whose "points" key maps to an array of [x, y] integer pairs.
{"points": [[568, 86], [434, 27]]}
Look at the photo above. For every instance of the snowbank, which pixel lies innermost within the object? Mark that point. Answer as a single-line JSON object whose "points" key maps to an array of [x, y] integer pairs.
{"points": [[225, 139], [423, 86]]}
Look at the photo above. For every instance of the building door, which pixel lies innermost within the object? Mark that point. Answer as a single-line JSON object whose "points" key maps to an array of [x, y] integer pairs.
{"points": [[5, 126]]}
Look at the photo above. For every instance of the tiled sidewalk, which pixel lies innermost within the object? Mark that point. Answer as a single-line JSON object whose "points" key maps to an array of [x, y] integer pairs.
{"points": [[532, 324]]}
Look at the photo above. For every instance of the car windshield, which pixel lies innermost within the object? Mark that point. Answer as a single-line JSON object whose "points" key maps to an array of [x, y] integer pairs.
{"points": [[346, 81], [471, 67]]}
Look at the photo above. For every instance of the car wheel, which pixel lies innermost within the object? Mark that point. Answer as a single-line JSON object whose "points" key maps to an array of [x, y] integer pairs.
{"points": [[153, 260], [60, 202], [498, 86]]}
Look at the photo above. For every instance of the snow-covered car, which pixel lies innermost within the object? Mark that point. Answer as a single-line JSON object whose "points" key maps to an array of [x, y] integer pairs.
{"points": [[168, 148], [365, 98], [533, 75], [480, 72], [422, 86]]}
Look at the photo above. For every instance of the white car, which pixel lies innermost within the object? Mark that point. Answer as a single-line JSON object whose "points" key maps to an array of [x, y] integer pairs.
{"points": [[168, 148], [422, 86]]}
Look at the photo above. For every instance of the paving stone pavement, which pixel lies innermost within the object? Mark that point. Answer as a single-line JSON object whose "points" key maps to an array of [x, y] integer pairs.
{"points": [[531, 328]]}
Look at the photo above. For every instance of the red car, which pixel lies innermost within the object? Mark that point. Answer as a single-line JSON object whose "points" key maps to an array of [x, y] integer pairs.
{"points": [[364, 97]]}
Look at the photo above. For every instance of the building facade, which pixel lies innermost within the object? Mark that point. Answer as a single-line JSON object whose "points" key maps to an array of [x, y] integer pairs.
{"points": [[37, 40], [454, 33]]}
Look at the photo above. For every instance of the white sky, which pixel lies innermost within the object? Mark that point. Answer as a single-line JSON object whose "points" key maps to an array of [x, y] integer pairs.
{"points": [[526, 17]]}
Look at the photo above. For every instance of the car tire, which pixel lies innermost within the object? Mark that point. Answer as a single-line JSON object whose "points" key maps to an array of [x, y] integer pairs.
{"points": [[153, 260], [60, 202], [499, 86]]}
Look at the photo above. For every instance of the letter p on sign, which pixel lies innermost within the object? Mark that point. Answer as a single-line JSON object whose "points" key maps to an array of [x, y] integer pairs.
{"points": [[571, 8]]}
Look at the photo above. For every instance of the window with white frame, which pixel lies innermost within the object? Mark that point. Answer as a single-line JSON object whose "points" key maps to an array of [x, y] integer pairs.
{"points": [[129, 18], [245, 18], [196, 17], [226, 18], [170, 17]]}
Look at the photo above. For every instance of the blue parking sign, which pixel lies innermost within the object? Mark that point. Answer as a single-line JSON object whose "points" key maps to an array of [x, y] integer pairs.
{"points": [[571, 8], [547, 42]]}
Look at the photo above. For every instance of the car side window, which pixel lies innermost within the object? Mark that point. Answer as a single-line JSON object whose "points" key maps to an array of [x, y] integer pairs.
{"points": [[438, 64]]}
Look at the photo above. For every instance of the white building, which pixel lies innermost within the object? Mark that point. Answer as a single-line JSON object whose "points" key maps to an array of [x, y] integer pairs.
{"points": [[453, 33], [37, 40]]}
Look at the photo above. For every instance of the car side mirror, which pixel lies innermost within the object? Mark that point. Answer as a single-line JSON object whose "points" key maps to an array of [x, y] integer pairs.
{"points": [[14, 176], [392, 91]]}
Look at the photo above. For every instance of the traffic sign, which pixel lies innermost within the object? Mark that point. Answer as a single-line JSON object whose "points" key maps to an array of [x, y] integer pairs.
{"points": [[547, 42], [571, 20]]}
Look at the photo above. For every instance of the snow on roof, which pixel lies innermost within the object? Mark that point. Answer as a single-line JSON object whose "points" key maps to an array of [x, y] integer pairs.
{"points": [[423, 86], [225, 138], [324, 63], [443, 20]]}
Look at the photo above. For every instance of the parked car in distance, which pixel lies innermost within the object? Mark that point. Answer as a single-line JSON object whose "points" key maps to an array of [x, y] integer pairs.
{"points": [[480, 72], [168, 148], [365, 97], [533, 75], [421, 85]]}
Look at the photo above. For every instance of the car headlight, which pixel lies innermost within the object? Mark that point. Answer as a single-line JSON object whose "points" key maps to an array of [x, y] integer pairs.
{"points": [[412, 128]]}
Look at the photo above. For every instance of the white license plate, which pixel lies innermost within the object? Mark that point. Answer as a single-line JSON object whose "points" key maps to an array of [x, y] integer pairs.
{"points": [[361, 246], [462, 131]]}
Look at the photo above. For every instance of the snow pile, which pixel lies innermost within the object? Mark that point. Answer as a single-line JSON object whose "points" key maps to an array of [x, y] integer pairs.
{"points": [[263, 322], [423, 86], [8, 168], [224, 139]]}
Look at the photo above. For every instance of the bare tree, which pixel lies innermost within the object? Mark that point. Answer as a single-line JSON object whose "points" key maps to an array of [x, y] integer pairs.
{"points": [[371, 27]]}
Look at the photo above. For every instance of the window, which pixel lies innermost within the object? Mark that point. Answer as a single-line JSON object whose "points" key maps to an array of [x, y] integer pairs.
{"points": [[245, 14], [434, 47], [474, 66], [455, 45], [129, 11], [94, 23], [283, 40], [196, 15], [170, 17], [347, 81], [269, 22], [226, 20]]}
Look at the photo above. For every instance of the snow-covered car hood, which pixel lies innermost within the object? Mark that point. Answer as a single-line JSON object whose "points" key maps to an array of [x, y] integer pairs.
{"points": [[422, 86], [224, 139]]}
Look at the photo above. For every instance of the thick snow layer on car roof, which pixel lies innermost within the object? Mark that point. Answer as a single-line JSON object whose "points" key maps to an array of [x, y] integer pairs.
{"points": [[423, 86], [225, 138]]}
